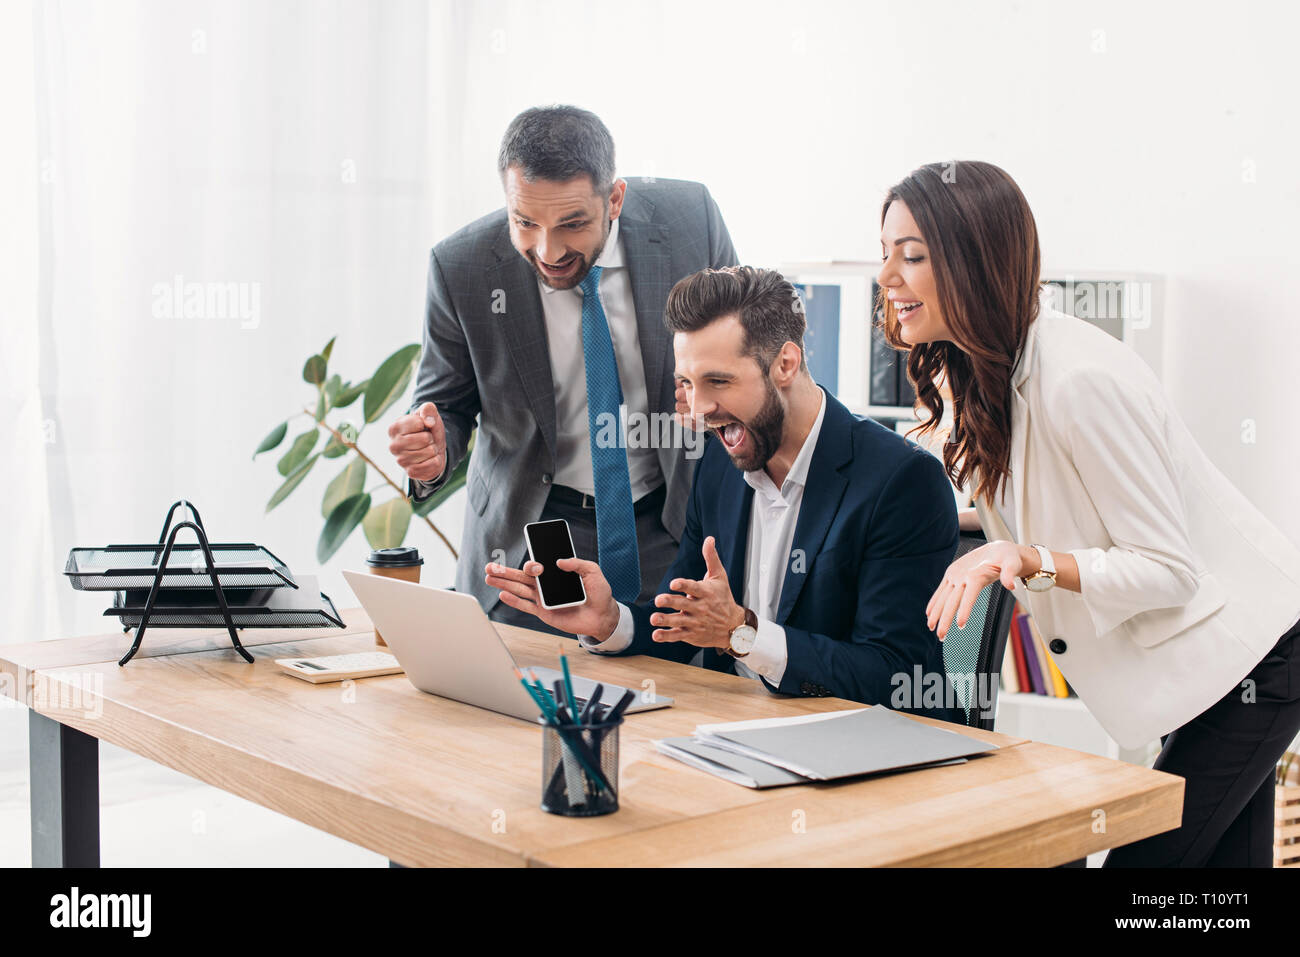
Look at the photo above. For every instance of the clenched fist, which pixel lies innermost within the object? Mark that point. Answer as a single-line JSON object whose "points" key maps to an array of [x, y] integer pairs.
{"points": [[419, 443]]}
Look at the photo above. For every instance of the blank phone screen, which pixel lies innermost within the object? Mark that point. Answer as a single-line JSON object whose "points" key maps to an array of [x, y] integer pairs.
{"points": [[549, 542]]}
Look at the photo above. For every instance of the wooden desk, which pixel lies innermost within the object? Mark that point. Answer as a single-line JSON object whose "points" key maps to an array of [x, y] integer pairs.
{"points": [[429, 781]]}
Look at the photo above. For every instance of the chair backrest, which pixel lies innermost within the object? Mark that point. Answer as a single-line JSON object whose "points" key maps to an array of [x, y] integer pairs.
{"points": [[973, 655]]}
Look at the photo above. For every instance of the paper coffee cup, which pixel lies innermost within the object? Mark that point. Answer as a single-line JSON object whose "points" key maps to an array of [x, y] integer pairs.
{"points": [[403, 563]]}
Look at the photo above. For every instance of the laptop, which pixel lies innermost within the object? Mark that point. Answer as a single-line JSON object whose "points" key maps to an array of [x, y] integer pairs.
{"points": [[450, 648]]}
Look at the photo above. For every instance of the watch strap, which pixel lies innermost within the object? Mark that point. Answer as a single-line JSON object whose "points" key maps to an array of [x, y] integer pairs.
{"points": [[1046, 571]]}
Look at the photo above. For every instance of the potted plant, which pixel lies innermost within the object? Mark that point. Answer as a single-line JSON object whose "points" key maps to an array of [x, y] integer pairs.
{"points": [[347, 502]]}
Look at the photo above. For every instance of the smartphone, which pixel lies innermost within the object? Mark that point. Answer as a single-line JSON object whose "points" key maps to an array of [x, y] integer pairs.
{"points": [[548, 542]]}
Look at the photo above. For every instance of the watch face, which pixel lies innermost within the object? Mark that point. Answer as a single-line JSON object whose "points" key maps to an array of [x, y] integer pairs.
{"points": [[742, 639], [1040, 582]]}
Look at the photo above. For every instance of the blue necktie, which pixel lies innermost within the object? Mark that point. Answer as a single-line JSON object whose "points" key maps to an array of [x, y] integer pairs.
{"points": [[615, 517]]}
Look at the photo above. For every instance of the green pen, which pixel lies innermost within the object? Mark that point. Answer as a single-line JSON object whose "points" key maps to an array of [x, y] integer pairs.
{"points": [[568, 683], [547, 712]]}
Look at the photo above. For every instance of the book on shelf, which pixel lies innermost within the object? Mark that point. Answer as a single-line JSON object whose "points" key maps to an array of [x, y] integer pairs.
{"points": [[1057, 679], [1031, 655], [1029, 667], [1017, 650]]}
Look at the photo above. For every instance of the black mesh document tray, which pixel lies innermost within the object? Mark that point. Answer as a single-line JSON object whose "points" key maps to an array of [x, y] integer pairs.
{"points": [[120, 567], [304, 607]]}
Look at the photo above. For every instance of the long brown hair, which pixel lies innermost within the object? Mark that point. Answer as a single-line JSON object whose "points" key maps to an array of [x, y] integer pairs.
{"points": [[983, 247]]}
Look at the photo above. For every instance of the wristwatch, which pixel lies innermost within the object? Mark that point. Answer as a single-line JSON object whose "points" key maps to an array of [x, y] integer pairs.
{"points": [[1045, 577], [743, 636]]}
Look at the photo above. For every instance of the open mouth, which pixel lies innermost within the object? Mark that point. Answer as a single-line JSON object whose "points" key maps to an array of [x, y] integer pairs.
{"points": [[905, 307], [732, 435], [561, 269]]}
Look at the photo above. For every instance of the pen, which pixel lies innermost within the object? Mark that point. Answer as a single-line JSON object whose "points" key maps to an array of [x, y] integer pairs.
{"points": [[619, 708], [568, 681], [539, 700], [588, 713], [542, 693]]}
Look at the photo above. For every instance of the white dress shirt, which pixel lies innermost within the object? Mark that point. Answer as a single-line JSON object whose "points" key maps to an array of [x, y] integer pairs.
{"points": [[773, 516], [562, 309]]}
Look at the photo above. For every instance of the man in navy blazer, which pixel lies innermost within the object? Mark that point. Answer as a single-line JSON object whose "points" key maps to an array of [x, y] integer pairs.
{"points": [[813, 538]]}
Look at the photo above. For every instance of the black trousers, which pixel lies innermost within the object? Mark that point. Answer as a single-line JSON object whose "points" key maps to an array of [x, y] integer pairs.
{"points": [[1228, 755], [655, 546]]}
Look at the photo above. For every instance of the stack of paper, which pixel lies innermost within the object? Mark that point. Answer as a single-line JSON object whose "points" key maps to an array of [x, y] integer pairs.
{"points": [[771, 752]]}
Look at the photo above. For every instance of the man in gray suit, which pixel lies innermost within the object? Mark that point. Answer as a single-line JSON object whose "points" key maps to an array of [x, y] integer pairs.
{"points": [[544, 321]]}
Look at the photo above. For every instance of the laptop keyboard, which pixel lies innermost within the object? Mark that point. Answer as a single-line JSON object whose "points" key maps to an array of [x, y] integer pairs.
{"points": [[582, 702]]}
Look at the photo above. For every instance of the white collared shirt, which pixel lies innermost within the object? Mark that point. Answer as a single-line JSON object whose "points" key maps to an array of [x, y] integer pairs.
{"points": [[562, 310], [773, 516]]}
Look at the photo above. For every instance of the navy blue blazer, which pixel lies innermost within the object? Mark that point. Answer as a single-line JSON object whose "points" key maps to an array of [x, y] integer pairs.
{"points": [[877, 528]]}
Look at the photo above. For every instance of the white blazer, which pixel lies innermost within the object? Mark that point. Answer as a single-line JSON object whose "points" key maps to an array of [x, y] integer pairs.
{"points": [[1185, 585]]}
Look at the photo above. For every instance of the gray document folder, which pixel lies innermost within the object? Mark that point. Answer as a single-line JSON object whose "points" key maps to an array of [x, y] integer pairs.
{"points": [[733, 767], [846, 744]]}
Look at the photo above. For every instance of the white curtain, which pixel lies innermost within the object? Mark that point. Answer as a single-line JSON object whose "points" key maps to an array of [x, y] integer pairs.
{"points": [[279, 147]]}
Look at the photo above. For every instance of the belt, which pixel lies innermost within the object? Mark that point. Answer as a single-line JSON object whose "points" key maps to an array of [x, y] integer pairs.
{"points": [[571, 496]]}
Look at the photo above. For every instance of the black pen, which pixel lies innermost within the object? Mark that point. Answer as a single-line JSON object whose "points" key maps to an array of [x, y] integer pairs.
{"points": [[592, 702], [619, 708]]}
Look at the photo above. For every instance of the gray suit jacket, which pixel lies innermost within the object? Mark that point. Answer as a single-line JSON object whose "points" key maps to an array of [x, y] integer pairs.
{"points": [[486, 356]]}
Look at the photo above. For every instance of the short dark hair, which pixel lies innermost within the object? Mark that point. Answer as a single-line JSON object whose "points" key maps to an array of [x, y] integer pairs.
{"points": [[558, 143], [766, 303]]}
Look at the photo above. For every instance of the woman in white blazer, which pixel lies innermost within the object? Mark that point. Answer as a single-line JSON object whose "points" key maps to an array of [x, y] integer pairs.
{"points": [[1169, 603]]}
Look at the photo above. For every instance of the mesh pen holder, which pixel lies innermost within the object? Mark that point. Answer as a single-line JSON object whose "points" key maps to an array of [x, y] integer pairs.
{"points": [[580, 768]]}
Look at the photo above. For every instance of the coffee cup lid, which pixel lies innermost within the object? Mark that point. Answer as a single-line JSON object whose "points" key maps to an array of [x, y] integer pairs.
{"points": [[394, 557]]}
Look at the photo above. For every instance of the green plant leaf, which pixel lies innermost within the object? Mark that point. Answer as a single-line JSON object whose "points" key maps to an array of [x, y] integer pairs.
{"points": [[455, 481], [344, 485], [334, 448], [273, 438], [340, 524], [390, 381], [332, 388], [320, 407], [314, 370], [300, 449], [329, 347], [349, 394], [385, 525], [291, 482]]}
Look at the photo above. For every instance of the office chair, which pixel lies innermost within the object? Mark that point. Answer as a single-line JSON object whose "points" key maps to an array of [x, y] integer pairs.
{"points": [[973, 655]]}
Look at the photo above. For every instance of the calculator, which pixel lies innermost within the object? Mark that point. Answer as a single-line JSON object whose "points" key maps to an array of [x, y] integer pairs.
{"points": [[362, 664]]}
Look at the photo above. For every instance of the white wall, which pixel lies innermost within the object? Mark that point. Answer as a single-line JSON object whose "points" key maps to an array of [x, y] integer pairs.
{"points": [[1154, 137]]}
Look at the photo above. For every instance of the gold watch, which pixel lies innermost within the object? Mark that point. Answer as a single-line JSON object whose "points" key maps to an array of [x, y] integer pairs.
{"points": [[743, 636], [1045, 577]]}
